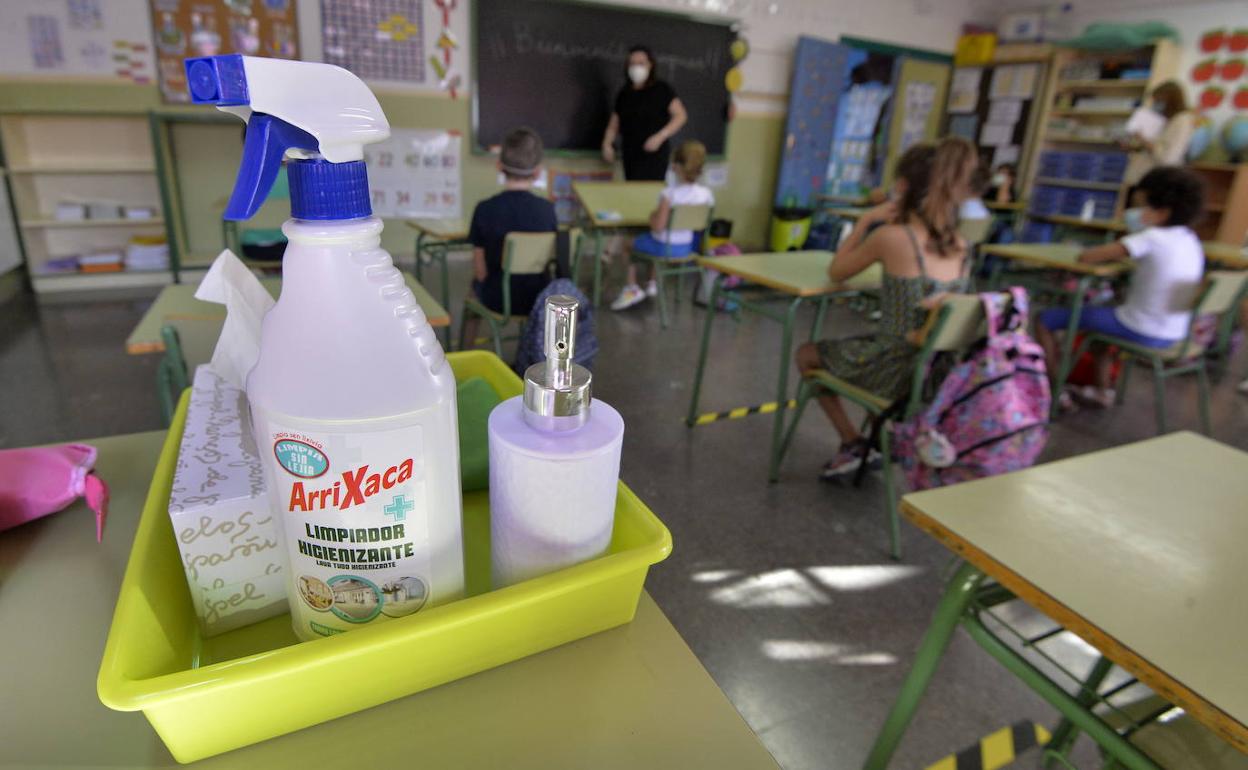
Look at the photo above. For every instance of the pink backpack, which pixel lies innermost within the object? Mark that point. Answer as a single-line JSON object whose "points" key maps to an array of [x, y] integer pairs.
{"points": [[991, 412]]}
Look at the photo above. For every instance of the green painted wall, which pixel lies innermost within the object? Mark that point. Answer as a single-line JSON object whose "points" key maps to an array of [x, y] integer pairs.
{"points": [[206, 156]]}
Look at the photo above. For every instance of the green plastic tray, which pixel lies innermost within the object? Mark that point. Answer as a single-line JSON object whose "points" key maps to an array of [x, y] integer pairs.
{"points": [[205, 696]]}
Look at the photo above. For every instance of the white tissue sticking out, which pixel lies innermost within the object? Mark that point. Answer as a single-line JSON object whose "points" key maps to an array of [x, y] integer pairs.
{"points": [[231, 283]]}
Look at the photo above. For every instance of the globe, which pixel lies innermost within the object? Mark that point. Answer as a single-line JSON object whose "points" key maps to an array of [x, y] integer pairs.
{"points": [[1202, 137], [1235, 136]]}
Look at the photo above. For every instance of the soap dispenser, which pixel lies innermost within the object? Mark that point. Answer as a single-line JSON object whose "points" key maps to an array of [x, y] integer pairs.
{"points": [[554, 463]]}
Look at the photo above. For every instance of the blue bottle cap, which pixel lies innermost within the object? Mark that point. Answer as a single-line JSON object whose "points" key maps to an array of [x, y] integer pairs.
{"points": [[320, 190]]}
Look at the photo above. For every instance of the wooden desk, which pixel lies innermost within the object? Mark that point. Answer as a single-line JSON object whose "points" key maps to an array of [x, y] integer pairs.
{"points": [[630, 697], [824, 200], [1226, 254], [851, 213], [1138, 550], [802, 275], [434, 239], [613, 206], [1011, 207], [176, 304], [1063, 257], [618, 204]]}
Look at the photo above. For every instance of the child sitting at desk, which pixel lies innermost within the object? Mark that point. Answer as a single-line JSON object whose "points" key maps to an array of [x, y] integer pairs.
{"points": [[1169, 266], [687, 164], [514, 210], [923, 257]]}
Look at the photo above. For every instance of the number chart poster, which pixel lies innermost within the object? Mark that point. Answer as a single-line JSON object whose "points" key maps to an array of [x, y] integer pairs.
{"points": [[375, 39], [415, 174], [185, 28]]}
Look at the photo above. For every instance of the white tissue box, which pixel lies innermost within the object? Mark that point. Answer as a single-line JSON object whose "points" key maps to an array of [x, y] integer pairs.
{"points": [[222, 522]]}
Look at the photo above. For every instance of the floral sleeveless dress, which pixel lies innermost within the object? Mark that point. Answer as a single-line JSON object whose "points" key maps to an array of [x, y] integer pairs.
{"points": [[882, 362]]}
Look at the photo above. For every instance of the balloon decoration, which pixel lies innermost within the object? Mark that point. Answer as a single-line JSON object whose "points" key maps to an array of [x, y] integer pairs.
{"points": [[735, 78]]}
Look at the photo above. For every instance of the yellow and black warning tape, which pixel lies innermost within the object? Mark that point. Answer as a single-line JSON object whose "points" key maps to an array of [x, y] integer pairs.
{"points": [[741, 411], [996, 750]]}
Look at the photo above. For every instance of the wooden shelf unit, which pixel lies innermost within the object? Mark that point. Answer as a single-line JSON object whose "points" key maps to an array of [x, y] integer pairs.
{"points": [[1109, 186], [49, 222], [1226, 202], [1130, 84], [1057, 102], [85, 156]]}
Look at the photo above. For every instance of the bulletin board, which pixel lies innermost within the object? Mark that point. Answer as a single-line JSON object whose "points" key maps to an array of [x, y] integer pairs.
{"points": [[415, 174], [920, 93], [992, 107], [76, 38], [182, 28]]}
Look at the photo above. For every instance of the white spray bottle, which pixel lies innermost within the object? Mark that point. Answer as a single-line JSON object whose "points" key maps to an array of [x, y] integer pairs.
{"points": [[352, 399]]}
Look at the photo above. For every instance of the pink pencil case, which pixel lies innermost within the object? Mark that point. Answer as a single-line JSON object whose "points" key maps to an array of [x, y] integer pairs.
{"points": [[39, 481]]}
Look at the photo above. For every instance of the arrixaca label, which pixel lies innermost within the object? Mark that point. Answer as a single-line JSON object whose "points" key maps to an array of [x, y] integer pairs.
{"points": [[353, 508]]}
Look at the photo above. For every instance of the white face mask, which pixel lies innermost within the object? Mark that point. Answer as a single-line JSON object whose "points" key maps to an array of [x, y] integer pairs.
{"points": [[638, 73], [1133, 219], [998, 180]]}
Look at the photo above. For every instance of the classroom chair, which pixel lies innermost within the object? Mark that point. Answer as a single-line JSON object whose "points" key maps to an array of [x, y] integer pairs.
{"points": [[955, 326], [171, 376], [1220, 296], [695, 218], [523, 254], [975, 231]]}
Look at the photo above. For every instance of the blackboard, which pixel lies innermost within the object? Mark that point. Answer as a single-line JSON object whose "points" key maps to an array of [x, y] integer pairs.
{"points": [[556, 67]]}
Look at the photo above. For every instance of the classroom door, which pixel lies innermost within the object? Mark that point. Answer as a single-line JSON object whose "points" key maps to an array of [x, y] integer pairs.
{"points": [[918, 101], [819, 70]]}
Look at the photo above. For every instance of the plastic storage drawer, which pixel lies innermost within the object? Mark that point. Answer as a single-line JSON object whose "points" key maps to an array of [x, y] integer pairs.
{"points": [[205, 696]]}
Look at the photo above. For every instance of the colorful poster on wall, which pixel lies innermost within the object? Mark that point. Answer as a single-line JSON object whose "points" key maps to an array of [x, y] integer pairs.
{"points": [[919, 102], [76, 38], [416, 174], [567, 207], [375, 39], [185, 28], [964, 89]]}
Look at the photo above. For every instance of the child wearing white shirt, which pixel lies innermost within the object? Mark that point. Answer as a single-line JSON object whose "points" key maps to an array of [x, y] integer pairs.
{"points": [[1169, 266], [687, 163]]}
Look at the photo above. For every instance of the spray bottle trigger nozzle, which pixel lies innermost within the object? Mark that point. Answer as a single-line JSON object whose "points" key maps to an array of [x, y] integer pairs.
{"points": [[267, 140]]}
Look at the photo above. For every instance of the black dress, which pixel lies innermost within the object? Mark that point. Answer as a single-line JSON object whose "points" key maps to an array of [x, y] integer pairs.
{"points": [[643, 111]]}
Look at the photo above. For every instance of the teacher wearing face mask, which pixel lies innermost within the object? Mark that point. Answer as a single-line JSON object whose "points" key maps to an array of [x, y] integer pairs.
{"points": [[647, 114]]}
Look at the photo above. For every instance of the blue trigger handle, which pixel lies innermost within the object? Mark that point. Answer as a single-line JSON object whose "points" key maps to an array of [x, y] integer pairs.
{"points": [[267, 140]]}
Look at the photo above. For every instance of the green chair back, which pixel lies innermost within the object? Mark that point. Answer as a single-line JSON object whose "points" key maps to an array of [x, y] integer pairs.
{"points": [[956, 325], [975, 231], [171, 376], [693, 218], [527, 253], [959, 323], [1222, 291]]}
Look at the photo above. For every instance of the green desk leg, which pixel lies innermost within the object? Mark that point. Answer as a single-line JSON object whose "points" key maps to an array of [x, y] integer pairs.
{"points": [[597, 267], [1117, 747], [445, 281], [1065, 733], [1068, 344], [820, 312], [958, 595], [711, 304], [782, 390], [436, 251], [420, 263]]}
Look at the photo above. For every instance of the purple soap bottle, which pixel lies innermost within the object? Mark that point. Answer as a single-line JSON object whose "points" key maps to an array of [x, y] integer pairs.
{"points": [[554, 463]]}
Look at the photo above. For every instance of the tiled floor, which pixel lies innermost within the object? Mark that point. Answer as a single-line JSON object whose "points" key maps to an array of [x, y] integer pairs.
{"points": [[784, 591]]}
